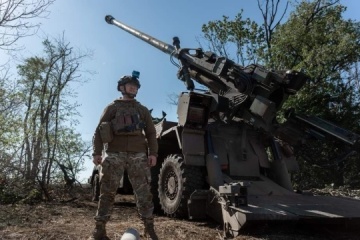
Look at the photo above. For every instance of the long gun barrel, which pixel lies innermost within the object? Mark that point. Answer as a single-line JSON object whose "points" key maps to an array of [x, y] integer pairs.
{"points": [[205, 68], [221, 75], [166, 48]]}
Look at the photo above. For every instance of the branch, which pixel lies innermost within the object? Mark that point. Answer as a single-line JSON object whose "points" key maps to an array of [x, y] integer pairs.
{"points": [[15, 16]]}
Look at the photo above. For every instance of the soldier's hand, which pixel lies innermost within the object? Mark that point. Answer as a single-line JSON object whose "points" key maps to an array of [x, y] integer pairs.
{"points": [[151, 160], [97, 159]]}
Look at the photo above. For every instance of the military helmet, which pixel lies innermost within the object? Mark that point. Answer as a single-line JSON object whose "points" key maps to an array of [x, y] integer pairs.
{"points": [[127, 79]]}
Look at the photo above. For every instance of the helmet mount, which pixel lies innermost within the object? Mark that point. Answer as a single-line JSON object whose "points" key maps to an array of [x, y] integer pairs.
{"points": [[134, 78]]}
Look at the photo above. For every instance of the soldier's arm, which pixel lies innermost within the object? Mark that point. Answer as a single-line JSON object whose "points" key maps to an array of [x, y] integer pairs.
{"points": [[150, 134], [97, 141]]}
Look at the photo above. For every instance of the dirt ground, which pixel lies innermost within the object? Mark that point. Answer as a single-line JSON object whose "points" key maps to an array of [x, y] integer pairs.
{"points": [[71, 217]]}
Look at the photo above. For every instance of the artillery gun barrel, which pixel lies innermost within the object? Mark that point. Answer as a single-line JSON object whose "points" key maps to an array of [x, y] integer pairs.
{"points": [[166, 48]]}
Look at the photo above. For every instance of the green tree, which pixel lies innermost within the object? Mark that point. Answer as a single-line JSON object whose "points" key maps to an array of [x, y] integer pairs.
{"points": [[71, 154], [48, 118], [10, 121], [251, 41], [319, 41], [243, 36]]}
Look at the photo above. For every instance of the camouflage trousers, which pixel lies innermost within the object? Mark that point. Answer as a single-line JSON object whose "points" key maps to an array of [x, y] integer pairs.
{"points": [[112, 170]]}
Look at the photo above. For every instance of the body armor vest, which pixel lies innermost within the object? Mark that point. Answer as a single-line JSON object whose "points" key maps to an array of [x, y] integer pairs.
{"points": [[127, 120]]}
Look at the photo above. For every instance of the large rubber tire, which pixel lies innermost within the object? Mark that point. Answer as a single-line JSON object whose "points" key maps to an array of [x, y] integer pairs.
{"points": [[177, 182], [96, 188]]}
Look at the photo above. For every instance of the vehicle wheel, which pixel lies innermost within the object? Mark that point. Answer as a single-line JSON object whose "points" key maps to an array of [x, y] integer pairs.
{"points": [[96, 188], [177, 182]]}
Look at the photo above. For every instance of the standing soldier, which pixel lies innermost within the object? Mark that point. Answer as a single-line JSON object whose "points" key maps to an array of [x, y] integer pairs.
{"points": [[127, 129]]}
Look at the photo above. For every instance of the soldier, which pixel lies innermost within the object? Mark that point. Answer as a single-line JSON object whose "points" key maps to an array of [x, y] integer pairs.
{"points": [[127, 128]]}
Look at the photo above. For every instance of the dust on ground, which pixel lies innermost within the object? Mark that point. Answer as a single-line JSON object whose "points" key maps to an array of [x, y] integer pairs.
{"points": [[71, 217]]}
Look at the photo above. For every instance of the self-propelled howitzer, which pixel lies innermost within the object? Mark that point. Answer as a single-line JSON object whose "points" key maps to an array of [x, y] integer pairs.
{"points": [[227, 157], [252, 94]]}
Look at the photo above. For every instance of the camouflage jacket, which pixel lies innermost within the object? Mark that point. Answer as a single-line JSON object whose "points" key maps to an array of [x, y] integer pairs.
{"points": [[138, 140]]}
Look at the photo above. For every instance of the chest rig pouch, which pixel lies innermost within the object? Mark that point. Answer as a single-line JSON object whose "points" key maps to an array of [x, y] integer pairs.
{"points": [[127, 120]]}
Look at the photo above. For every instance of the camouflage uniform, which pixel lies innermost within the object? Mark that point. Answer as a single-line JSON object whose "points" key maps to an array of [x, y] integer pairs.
{"points": [[134, 138], [112, 170]]}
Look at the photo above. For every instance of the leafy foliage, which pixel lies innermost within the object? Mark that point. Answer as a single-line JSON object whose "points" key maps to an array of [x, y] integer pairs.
{"points": [[321, 43], [39, 123], [243, 36]]}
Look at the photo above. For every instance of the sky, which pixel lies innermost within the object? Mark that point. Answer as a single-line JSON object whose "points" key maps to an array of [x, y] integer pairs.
{"points": [[117, 53]]}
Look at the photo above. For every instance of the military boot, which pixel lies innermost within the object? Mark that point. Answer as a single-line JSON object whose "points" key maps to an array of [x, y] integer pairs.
{"points": [[149, 229], [99, 232]]}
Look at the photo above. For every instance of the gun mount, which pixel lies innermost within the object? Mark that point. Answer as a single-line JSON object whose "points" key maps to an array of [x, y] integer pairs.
{"points": [[227, 157], [260, 91]]}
